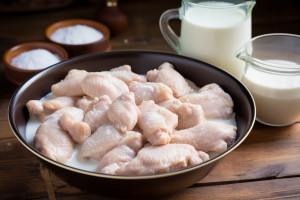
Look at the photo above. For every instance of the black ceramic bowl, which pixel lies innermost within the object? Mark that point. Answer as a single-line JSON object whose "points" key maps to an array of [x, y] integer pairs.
{"points": [[140, 61]]}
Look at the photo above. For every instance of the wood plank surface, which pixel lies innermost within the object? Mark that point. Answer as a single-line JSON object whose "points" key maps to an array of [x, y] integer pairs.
{"points": [[265, 166], [267, 189], [19, 172], [266, 153]]}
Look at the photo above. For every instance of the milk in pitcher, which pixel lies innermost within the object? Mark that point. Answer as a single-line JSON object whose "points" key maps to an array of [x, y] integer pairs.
{"points": [[215, 35], [277, 97]]}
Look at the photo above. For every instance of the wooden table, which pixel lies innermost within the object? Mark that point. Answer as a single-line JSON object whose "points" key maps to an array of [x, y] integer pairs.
{"points": [[265, 166]]}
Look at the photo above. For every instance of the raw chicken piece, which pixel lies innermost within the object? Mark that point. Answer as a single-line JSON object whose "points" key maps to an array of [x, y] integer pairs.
{"points": [[123, 112], [60, 102], [41, 109], [192, 85], [169, 76], [208, 136], [100, 142], [157, 92], [86, 103], [156, 122], [77, 129], [213, 87], [52, 140], [189, 115], [215, 103], [36, 109], [125, 74], [161, 159], [112, 161], [96, 116], [137, 129], [132, 139], [124, 152], [97, 84], [173, 105], [70, 86]]}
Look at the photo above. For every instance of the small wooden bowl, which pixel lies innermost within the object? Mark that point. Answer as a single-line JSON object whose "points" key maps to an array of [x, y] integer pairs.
{"points": [[79, 49], [18, 75]]}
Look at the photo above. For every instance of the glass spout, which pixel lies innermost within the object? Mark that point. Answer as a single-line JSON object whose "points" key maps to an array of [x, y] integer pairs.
{"points": [[243, 56], [249, 6]]}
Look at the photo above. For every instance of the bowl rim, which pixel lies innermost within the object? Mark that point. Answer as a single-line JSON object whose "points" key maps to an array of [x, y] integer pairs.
{"points": [[29, 45], [74, 21], [131, 177]]}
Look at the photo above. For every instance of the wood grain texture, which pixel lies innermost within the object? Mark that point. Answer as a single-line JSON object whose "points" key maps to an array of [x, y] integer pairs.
{"points": [[19, 172], [265, 166], [266, 153]]}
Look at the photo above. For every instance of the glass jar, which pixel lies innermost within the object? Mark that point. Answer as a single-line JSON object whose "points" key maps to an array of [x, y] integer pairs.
{"points": [[272, 74]]}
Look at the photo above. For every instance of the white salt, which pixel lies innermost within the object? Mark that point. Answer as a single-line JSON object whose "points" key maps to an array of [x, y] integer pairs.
{"points": [[77, 34], [35, 59]]}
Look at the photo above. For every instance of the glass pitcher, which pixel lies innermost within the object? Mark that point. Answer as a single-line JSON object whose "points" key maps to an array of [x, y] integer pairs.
{"points": [[272, 74], [211, 31]]}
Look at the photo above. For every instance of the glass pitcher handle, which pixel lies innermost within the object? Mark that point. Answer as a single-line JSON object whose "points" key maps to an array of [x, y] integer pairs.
{"points": [[167, 32]]}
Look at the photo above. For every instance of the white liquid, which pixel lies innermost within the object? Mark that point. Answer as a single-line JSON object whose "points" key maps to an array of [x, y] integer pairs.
{"points": [[277, 97], [215, 36], [31, 128], [84, 164]]}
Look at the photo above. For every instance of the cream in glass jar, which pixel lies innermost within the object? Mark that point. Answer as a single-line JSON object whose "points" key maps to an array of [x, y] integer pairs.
{"points": [[272, 75]]}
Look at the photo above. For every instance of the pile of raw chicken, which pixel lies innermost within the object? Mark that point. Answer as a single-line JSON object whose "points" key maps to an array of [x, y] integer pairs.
{"points": [[133, 124]]}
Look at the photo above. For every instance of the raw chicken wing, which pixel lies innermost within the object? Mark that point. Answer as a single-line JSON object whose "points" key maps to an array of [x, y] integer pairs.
{"points": [[189, 115], [168, 75], [123, 112], [70, 86], [96, 116], [125, 151], [100, 142], [97, 84], [156, 122], [173, 105], [86, 103], [52, 140], [192, 85], [60, 102], [77, 129], [125, 74], [215, 103], [162, 159], [36, 109], [112, 161], [208, 136], [41, 109], [157, 92]]}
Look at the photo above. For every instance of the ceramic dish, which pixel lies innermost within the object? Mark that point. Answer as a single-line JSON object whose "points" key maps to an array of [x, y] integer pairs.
{"points": [[79, 49], [140, 61], [18, 75]]}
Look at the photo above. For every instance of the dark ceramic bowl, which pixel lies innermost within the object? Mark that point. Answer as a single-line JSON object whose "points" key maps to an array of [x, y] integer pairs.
{"points": [[80, 49], [132, 186]]}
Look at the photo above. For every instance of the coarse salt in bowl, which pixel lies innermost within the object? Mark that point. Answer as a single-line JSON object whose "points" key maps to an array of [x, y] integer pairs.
{"points": [[76, 34], [35, 59], [79, 36], [24, 60]]}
